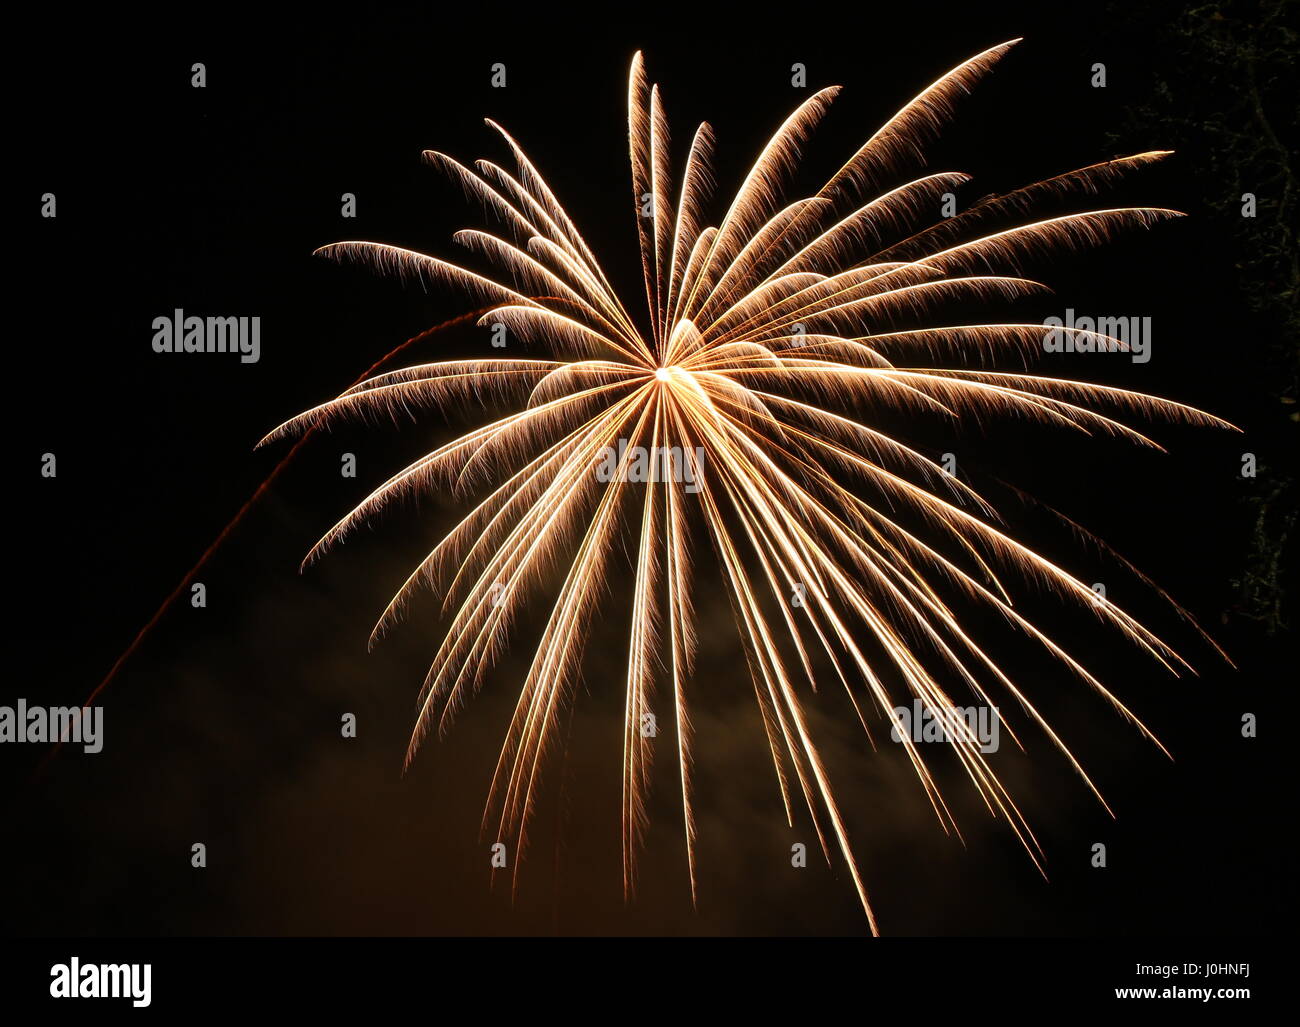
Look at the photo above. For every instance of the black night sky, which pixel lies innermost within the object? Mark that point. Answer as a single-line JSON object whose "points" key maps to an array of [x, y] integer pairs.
{"points": [[224, 728]]}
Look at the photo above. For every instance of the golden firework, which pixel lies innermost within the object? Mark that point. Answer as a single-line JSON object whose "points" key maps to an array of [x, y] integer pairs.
{"points": [[841, 547]]}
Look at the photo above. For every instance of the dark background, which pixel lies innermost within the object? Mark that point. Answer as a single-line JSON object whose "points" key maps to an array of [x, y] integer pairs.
{"points": [[225, 726]]}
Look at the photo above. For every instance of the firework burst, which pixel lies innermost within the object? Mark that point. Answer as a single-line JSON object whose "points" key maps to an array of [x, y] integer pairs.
{"points": [[763, 336]]}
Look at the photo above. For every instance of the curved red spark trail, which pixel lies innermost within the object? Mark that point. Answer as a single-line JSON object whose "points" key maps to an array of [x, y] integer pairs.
{"points": [[235, 521]]}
